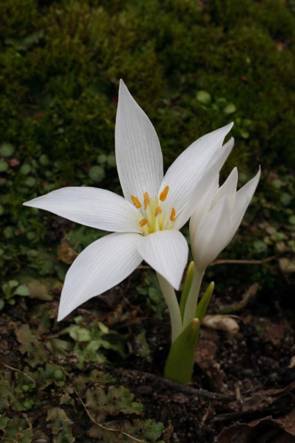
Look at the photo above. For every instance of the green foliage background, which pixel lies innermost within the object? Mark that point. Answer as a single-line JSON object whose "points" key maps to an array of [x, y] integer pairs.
{"points": [[192, 65]]}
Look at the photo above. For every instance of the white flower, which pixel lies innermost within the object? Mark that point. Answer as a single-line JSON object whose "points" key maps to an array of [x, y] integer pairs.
{"points": [[147, 220], [217, 217]]}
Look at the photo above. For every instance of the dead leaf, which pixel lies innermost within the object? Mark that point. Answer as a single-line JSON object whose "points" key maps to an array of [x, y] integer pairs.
{"points": [[292, 362], [39, 290], [274, 332], [286, 265], [66, 253], [262, 401], [267, 429], [30, 344], [221, 323]]}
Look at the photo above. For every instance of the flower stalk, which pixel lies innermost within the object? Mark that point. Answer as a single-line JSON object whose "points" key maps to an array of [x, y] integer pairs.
{"points": [[180, 360], [173, 307]]}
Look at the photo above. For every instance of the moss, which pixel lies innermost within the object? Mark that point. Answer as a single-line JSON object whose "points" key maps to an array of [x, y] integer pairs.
{"points": [[60, 65]]}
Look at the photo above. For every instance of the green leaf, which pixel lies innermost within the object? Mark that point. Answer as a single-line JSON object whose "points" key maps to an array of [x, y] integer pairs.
{"points": [[186, 286], [96, 173], [43, 160], [6, 150], [61, 425], [203, 97], [180, 362], [22, 290], [30, 181], [204, 302], [230, 109], [25, 169], [244, 133], [3, 166], [79, 333]]}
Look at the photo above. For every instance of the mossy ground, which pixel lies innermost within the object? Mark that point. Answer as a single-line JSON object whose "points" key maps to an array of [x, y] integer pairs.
{"points": [[193, 66]]}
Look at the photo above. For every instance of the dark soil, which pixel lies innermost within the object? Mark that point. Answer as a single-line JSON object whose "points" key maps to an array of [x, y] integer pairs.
{"points": [[244, 384], [243, 388]]}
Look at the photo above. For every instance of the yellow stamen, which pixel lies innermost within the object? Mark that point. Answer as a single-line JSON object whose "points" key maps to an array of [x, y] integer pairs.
{"points": [[173, 214], [135, 201], [164, 193], [146, 199], [158, 211], [143, 222]]}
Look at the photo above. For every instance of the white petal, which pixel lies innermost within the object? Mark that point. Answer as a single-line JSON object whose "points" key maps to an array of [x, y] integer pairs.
{"points": [[213, 234], [166, 252], [222, 154], [218, 227], [200, 201], [228, 188], [233, 215], [210, 197], [188, 169], [209, 177], [102, 265], [98, 208], [243, 199], [138, 152]]}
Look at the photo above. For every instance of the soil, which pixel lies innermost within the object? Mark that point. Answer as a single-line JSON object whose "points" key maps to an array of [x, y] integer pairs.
{"points": [[243, 388]]}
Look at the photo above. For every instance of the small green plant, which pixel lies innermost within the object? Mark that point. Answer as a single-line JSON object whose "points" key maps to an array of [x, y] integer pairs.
{"points": [[11, 290]]}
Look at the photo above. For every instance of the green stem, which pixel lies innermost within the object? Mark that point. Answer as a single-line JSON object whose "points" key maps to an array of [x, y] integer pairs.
{"points": [[192, 299], [173, 307]]}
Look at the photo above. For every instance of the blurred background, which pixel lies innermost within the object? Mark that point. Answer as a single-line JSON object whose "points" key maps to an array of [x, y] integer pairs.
{"points": [[193, 65]]}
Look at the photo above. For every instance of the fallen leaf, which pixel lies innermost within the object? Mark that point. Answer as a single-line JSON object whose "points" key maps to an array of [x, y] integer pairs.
{"points": [[66, 253], [286, 265], [267, 429], [221, 323], [263, 401]]}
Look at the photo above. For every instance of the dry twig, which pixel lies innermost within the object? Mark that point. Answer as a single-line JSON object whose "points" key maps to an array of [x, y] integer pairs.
{"points": [[243, 262], [17, 370], [247, 297], [158, 382], [104, 427]]}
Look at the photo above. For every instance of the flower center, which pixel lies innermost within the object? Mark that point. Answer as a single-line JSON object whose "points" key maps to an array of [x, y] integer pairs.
{"points": [[153, 215]]}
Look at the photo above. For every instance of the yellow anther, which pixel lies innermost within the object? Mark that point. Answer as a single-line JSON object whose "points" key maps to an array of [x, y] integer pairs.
{"points": [[164, 193], [135, 201], [158, 211], [146, 199], [173, 215], [143, 222]]}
